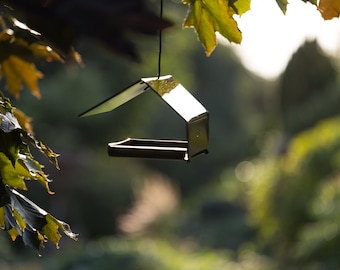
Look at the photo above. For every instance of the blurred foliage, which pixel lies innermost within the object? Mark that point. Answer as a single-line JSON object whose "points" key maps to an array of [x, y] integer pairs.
{"points": [[62, 23], [293, 199], [308, 90], [265, 197], [154, 254]]}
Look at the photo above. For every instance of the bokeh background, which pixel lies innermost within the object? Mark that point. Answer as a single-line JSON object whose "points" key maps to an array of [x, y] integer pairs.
{"points": [[267, 196]]}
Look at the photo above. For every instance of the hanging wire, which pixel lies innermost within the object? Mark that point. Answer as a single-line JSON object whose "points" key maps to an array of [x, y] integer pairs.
{"points": [[160, 43]]}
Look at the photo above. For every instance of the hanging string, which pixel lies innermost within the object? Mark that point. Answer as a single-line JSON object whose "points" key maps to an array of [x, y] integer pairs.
{"points": [[160, 43]]}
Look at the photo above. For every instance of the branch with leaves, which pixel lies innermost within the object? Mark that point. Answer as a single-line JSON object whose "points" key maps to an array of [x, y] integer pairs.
{"points": [[208, 17], [47, 30], [19, 215]]}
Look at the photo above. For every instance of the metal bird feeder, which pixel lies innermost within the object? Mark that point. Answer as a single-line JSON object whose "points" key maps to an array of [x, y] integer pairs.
{"points": [[181, 101]]}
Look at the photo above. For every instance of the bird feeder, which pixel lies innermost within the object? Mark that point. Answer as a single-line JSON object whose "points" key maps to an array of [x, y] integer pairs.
{"points": [[181, 101]]}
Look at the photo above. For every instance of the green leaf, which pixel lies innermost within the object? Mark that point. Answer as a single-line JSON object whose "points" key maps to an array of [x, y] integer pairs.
{"points": [[35, 225], [35, 171], [283, 5], [241, 6], [13, 175], [21, 222], [10, 137], [16, 162], [314, 2], [25, 168], [13, 135], [207, 17], [44, 149], [51, 230], [10, 144]]}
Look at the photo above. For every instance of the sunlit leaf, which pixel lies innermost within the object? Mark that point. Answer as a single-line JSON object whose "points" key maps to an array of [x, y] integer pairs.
{"points": [[10, 144], [44, 149], [314, 2], [209, 17], [329, 9], [14, 137], [35, 225], [21, 222], [64, 227], [241, 6], [283, 5], [36, 171], [45, 52], [23, 120], [17, 57], [51, 230], [12, 177], [17, 72], [13, 233]]}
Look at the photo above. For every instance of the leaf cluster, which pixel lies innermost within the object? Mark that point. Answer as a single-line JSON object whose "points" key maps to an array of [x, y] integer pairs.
{"points": [[208, 17], [61, 23], [19, 50], [57, 25], [51, 29], [19, 215]]}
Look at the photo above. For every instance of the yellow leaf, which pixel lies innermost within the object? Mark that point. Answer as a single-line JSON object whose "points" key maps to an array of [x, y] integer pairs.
{"points": [[20, 221], [209, 17], [13, 233], [24, 120], [45, 52], [18, 71], [50, 230], [200, 20], [242, 6], [329, 9], [13, 176]]}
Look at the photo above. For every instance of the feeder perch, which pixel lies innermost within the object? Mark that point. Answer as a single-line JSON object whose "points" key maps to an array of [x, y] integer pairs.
{"points": [[181, 101]]}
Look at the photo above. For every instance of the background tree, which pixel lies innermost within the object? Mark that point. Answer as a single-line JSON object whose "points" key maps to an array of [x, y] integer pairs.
{"points": [[21, 47]]}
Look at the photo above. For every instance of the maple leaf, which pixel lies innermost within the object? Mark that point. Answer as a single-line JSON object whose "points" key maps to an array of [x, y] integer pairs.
{"points": [[16, 162], [10, 143], [209, 17], [314, 2], [23, 120], [240, 6], [17, 57], [282, 5], [17, 72], [329, 9], [20, 216]]}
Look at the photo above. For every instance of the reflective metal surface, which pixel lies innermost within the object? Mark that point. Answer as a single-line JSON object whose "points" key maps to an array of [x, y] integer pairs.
{"points": [[162, 149], [181, 101]]}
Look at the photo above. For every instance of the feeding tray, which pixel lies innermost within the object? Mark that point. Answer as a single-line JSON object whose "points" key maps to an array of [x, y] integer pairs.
{"points": [[181, 101]]}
